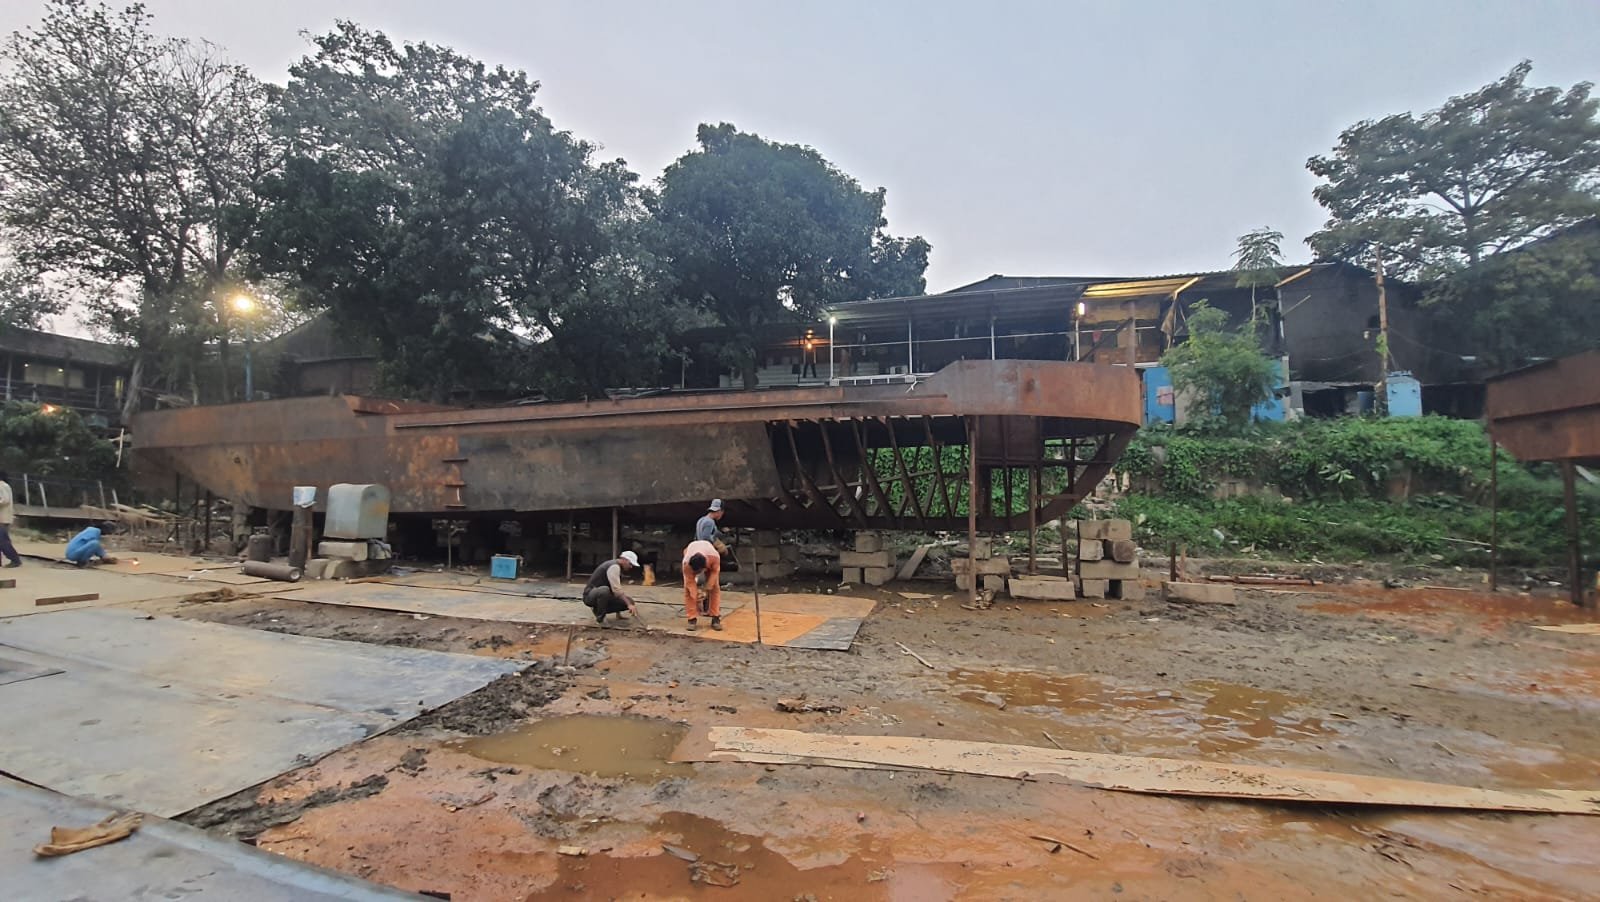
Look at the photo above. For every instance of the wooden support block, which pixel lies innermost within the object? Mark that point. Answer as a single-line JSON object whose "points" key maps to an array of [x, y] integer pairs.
{"points": [[1124, 551], [877, 576], [1091, 550], [983, 549], [67, 599], [866, 558], [996, 565], [1092, 530], [964, 582], [1118, 530], [766, 537], [1107, 570], [868, 542], [1094, 588], [1044, 588], [1201, 593], [994, 582], [8, 584], [851, 575], [1128, 589]]}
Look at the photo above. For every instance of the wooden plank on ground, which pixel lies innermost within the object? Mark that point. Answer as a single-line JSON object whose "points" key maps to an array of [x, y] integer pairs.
{"points": [[68, 599], [1581, 629], [1129, 773], [910, 568]]}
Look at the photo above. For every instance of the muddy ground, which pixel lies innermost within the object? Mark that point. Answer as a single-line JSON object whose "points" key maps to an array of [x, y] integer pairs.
{"points": [[513, 793]]}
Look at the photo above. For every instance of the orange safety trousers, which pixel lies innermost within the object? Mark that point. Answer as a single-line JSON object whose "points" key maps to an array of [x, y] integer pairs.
{"points": [[713, 572]]}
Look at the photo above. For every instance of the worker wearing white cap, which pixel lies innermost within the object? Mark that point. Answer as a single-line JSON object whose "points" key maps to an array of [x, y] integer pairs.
{"points": [[604, 592]]}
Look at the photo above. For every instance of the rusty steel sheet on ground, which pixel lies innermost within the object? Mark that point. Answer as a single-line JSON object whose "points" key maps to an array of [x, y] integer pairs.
{"points": [[821, 457], [163, 715], [160, 860], [792, 620]]}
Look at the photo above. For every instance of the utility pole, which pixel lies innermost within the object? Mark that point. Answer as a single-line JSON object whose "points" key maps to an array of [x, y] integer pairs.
{"points": [[1383, 334]]}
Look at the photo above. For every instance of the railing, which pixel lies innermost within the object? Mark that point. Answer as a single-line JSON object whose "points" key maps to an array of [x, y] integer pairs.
{"points": [[86, 400], [52, 492]]}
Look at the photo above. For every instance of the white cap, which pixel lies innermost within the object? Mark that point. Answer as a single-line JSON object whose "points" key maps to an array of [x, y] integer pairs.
{"points": [[631, 558], [716, 504]]}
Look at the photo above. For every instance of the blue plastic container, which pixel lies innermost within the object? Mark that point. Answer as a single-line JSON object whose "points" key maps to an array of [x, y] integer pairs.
{"points": [[504, 566]]}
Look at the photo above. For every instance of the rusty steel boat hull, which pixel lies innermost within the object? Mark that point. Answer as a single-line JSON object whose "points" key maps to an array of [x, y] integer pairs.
{"points": [[841, 456]]}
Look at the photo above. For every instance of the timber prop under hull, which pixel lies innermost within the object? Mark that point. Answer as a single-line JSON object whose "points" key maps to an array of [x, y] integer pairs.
{"points": [[874, 456]]}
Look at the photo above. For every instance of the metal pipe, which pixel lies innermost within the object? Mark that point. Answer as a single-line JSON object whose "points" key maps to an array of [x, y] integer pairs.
{"points": [[569, 546], [280, 572], [991, 336], [972, 510], [1494, 514], [1574, 550], [616, 534]]}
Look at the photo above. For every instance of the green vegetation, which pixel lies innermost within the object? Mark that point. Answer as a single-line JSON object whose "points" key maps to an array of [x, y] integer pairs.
{"points": [[51, 442], [1223, 369], [1352, 489]]}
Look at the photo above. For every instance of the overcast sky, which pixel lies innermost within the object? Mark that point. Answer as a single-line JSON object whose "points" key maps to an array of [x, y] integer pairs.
{"points": [[1021, 138]]}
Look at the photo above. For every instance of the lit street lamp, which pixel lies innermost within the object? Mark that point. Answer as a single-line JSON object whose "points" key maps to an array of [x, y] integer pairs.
{"points": [[245, 305]]}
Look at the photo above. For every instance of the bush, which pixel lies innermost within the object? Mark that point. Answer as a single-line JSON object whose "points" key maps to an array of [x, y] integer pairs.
{"points": [[1337, 472]]}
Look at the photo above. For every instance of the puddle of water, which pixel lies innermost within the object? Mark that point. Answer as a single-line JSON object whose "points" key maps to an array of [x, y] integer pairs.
{"points": [[1211, 715], [1257, 713], [631, 747], [728, 857]]}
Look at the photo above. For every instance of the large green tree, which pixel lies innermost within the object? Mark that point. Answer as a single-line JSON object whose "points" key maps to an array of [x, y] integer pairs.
{"points": [[757, 232], [131, 162], [429, 204], [1483, 174]]}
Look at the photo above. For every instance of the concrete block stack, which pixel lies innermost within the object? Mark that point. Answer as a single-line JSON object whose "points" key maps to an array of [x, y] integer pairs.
{"points": [[1108, 560], [766, 553], [869, 564], [990, 572]]}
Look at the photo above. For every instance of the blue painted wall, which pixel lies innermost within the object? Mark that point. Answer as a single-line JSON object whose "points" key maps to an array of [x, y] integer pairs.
{"points": [[1159, 404]]}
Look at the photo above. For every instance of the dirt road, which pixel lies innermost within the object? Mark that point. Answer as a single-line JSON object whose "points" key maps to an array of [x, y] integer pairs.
{"points": [[556, 783]]}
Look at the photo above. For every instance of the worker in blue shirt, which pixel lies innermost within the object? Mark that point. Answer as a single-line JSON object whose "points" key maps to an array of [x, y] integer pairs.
{"points": [[85, 548]]}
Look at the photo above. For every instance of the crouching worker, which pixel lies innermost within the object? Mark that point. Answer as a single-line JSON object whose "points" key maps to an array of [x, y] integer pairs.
{"points": [[701, 558], [85, 548], [604, 592]]}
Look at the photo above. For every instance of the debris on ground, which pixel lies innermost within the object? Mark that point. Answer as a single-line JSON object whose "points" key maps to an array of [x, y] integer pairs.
{"points": [[801, 706], [67, 840]]}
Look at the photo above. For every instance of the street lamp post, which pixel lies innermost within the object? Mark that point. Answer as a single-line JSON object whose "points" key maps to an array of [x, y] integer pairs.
{"points": [[245, 305], [832, 321], [1077, 332]]}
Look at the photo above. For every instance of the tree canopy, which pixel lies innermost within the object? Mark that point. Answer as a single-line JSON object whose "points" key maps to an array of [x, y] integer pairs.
{"points": [[132, 162], [757, 232], [429, 203], [1484, 173]]}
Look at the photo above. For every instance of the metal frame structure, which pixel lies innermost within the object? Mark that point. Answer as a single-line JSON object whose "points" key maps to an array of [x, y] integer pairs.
{"points": [[1548, 412], [873, 456]]}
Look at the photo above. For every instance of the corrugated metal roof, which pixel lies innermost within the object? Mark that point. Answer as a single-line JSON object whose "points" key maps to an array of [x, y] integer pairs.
{"points": [[51, 346]]}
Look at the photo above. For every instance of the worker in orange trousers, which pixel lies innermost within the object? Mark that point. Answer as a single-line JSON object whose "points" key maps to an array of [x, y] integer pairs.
{"points": [[701, 557]]}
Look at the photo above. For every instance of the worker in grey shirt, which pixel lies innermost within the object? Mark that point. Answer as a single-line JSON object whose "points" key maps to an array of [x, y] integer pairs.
{"points": [[603, 593], [706, 530]]}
